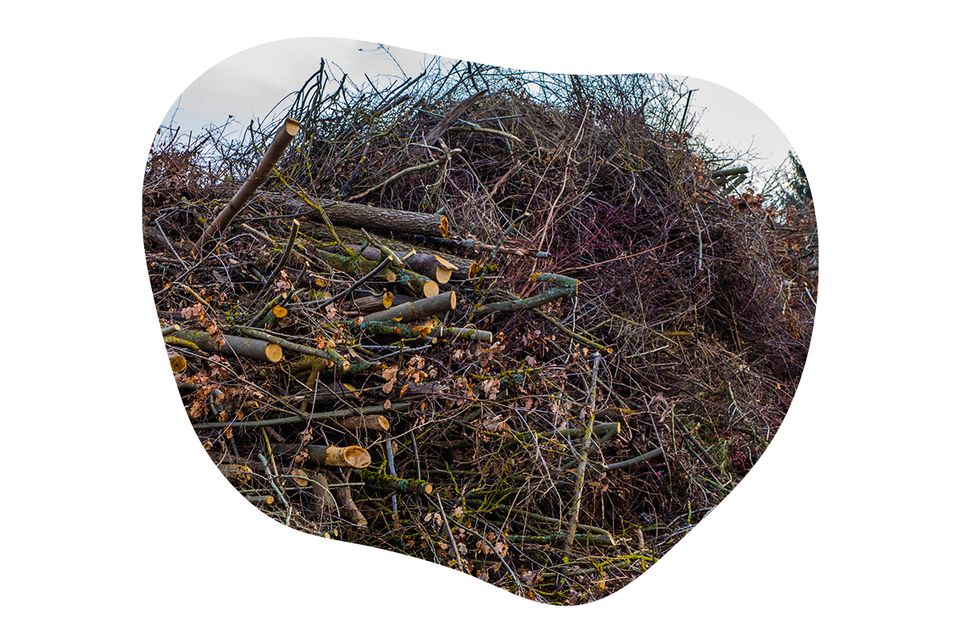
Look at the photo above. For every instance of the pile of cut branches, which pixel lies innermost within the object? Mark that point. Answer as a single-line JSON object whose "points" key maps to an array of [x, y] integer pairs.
{"points": [[523, 325]]}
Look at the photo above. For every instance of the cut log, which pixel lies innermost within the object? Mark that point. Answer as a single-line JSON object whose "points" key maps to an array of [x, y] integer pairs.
{"points": [[178, 363], [339, 456], [368, 422], [368, 304], [232, 345], [417, 310], [280, 142], [436, 267], [363, 216], [431, 266], [433, 331], [359, 266]]}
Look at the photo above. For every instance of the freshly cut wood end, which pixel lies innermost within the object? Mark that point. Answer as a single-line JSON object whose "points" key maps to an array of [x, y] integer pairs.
{"points": [[370, 422], [356, 456], [273, 352], [387, 300], [178, 363], [292, 127], [430, 288], [300, 477], [279, 311], [445, 264], [444, 226], [443, 275], [390, 276], [445, 269], [472, 270], [453, 300], [427, 488]]}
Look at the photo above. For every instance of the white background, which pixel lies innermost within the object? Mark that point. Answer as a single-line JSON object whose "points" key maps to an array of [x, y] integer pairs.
{"points": [[115, 526]]}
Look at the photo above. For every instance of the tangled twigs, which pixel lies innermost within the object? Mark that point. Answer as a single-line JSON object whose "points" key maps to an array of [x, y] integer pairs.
{"points": [[419, 364], [284, 135]]}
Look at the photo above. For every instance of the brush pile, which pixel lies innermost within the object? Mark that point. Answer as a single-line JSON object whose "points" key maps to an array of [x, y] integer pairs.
{"points": [[522, 325]]}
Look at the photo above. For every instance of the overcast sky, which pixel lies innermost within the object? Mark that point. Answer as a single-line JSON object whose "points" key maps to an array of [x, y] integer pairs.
{"points": [[249, 84]]}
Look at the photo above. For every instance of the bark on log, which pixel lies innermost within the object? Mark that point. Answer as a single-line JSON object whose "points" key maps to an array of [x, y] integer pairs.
{"points": [[240, 346], [466, 267], [237, 472], [368, 422], [359, 266], [339, 456], [364, 216], [417, 310], [178, 363], [280, 142], [436, 267], [429, 265], [426, 330], [385, 301], [389, 482]]}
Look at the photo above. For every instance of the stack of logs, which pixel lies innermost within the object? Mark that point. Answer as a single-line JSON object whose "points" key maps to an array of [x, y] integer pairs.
{"points": [[409, 308]]}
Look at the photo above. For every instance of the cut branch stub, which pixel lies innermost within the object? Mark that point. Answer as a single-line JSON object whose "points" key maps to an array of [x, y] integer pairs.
{"points": [[389, 482], [369, 422], [280, 142]]}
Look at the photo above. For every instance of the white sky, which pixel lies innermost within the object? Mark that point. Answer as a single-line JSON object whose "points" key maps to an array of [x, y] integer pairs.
{"points": [[250, 83]]}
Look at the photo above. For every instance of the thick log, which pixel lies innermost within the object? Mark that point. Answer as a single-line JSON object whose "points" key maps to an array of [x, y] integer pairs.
{"points": [[431, 266], [364, 216], [436, 267], [178, 363], [417, 310], [280, 142], [357, 365], [385, 301], [237, 472], [232, 345]]}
